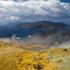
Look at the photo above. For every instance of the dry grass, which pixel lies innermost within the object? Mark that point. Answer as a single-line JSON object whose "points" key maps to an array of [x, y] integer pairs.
{"points": [[13, 57]]}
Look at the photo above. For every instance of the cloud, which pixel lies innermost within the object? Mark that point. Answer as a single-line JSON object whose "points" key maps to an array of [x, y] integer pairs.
{"points": [[34, 10]]}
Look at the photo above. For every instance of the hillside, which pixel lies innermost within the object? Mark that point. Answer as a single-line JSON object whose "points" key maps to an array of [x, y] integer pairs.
{"points": [[15, 58]]}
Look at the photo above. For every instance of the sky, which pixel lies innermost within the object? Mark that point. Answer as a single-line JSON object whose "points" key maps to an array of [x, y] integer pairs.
{"points": [[34, 10], [67, 1], [44, 0]]}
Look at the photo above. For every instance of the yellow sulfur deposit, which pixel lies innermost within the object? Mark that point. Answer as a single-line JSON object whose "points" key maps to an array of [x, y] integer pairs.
{"points": [[16, 58]]}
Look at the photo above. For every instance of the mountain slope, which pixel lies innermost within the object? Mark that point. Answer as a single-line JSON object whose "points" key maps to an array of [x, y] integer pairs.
{"points": [[41, 27]]}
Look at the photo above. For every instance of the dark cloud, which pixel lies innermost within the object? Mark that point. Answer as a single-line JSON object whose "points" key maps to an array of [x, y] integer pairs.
{"points": [[34, 10]]}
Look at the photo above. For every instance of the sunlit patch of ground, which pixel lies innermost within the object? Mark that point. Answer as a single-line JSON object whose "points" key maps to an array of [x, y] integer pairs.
{"points": [[14, 56]]}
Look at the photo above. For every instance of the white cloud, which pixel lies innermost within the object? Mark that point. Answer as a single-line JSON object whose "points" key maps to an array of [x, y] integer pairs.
{"points": [[34, 10]]}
